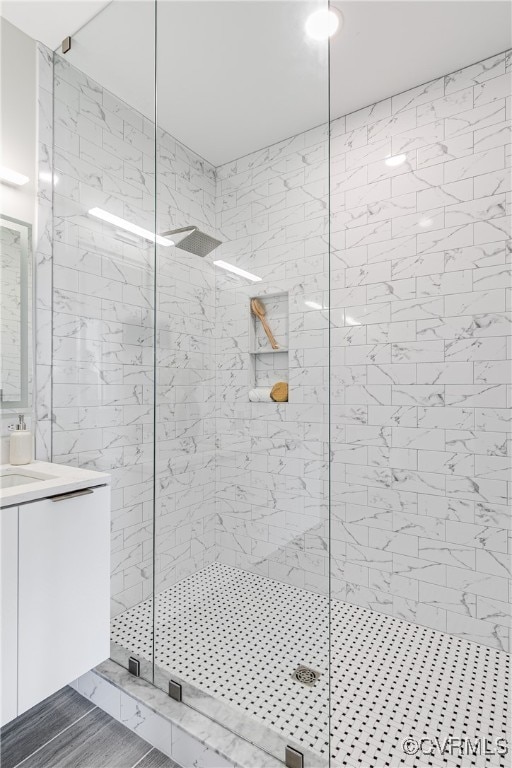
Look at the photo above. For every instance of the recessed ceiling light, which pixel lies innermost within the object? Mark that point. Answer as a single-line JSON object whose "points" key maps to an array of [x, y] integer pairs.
{"points": [[8, 176], [394, 160], [117, 221], [321, 25], [237, 270]]}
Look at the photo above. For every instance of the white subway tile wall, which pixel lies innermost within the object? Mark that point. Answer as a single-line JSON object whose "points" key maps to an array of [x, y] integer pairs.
{"points": [[421, 367], [272, 458], [185, 376], [42, 242], [415, 316], [103, 318]]}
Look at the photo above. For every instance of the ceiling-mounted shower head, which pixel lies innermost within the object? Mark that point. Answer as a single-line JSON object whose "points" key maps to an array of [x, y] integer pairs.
{"points": [[196, 242]]}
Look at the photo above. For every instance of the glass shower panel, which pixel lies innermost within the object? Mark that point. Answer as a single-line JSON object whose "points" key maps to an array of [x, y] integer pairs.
{"points": [[242, 439], [103, 286], [419, 419]]}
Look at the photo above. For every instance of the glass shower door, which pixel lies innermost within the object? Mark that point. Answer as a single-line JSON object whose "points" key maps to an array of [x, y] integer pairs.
{"points": [[103, 287], [242, 440], [179, 240]]}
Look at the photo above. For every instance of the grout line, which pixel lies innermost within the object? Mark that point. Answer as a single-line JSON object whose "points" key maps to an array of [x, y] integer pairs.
{"points": [[56, 736], [143, 756]]}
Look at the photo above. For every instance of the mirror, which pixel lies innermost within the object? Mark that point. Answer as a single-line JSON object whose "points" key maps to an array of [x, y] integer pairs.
{"points": [[15, 313]]}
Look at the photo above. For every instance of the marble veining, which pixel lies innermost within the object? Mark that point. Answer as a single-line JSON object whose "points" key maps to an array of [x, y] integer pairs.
{"points": [[417, 314]]}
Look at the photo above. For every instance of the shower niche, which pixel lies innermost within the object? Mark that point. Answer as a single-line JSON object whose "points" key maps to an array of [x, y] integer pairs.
{"points": [[268, 352]]}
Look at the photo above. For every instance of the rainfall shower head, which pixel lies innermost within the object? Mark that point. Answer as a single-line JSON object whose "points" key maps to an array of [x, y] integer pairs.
{"points": [[196, 242]]}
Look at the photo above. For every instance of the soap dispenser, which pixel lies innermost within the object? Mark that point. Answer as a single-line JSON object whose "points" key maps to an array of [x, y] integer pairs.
{"points": [[21, 447]]}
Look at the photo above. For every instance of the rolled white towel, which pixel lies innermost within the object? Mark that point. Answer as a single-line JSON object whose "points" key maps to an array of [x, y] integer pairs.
{"points": [[260, 395]]}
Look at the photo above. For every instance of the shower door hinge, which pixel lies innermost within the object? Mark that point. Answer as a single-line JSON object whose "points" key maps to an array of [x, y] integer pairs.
{"points": [[293, 758], [175, 690], [66, 44], [134, 666]]}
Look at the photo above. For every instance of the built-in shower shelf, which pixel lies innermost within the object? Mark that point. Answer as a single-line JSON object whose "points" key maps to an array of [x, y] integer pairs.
{"points": [[268, 351], [268, 366]]}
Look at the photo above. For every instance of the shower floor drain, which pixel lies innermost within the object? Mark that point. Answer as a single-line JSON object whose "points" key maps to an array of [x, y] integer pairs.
{"points": [[305, 675]]}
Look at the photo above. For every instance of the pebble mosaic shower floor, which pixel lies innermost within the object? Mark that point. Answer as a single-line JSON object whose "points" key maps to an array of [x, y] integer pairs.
{"points": [[240, 636]]}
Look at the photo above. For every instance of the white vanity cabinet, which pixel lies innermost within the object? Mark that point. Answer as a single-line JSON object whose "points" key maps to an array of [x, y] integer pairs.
{"points": [[9, 605], [55, 593], [63, 605]]}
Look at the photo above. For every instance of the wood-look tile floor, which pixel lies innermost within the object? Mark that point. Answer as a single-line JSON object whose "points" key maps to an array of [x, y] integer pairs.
{"points": [[67, 731]]}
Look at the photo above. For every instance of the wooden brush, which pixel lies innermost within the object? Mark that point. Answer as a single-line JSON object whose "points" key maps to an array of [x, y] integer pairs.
{"points": [[259, 311]]}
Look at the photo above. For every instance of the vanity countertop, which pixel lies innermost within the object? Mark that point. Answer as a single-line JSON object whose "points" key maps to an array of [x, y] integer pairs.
{"points": [[59, 479]]}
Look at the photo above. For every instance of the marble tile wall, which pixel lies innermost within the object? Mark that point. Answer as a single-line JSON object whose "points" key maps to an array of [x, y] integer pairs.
{"points": [[103, 319], [420, 358], [42, 243], [420, 348], [272, 459], [185, 347]]}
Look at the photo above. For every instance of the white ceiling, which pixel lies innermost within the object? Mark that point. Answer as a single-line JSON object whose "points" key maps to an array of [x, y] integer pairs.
{"points": [[388, 46], [50, 21], [234, 77]]}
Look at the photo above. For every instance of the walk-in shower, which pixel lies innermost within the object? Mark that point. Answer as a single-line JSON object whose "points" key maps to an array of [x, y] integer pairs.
{"points": [[327, 574]]}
